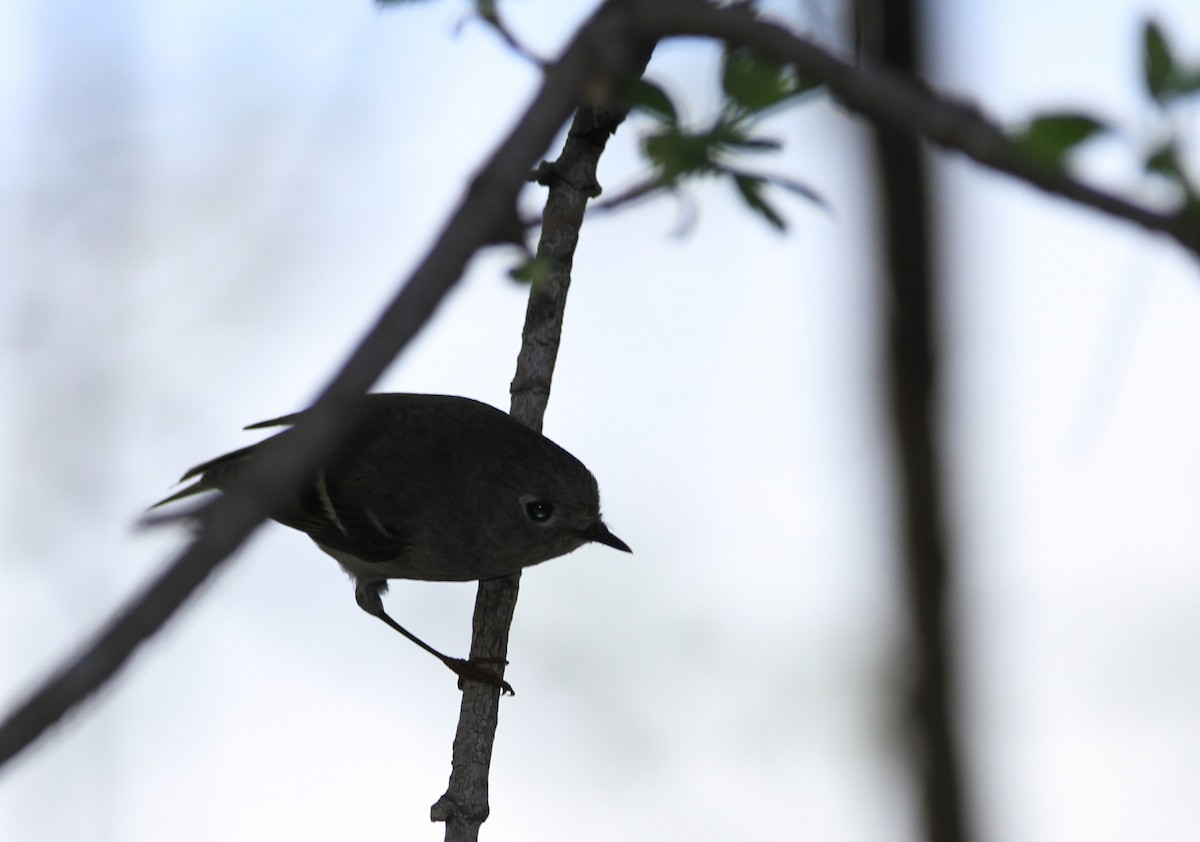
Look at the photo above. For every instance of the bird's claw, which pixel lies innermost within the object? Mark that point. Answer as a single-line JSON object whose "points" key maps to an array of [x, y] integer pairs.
{"points": [[473, 671]]}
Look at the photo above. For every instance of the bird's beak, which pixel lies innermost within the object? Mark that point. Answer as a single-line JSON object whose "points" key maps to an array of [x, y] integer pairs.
{"points": [[599, 533]]}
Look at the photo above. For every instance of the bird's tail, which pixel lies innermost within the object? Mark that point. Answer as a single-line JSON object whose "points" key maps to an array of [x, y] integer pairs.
{"points": [[213, 474]]}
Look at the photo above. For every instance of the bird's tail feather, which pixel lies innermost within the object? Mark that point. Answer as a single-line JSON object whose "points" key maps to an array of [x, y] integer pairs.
{"points": [[213, 474]]}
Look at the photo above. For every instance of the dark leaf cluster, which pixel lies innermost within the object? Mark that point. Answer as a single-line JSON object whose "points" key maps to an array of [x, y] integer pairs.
{"points": [[752, 89]]}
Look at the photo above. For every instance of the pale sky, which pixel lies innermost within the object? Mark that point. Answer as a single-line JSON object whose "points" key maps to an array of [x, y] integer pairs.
{"points": [[203, 204]]}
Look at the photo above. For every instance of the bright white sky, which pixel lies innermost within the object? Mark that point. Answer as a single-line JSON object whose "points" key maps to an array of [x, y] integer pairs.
{"points": [[202, 205]]}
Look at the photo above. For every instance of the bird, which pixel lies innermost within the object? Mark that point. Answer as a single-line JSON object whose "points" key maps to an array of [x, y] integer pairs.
{"points": [[437, 488]]}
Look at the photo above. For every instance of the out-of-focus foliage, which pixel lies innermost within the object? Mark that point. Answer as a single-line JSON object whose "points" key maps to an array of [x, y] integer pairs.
{"points": [[752, 88], [1171, 84], [1048, 138]]}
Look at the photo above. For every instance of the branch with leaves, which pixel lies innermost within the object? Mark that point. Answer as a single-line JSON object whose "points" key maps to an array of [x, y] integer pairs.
{"points": [[1170, 84], [899, 102]]}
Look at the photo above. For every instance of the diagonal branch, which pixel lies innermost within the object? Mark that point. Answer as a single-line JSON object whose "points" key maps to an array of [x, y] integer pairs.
{"points": [[598, 56]]}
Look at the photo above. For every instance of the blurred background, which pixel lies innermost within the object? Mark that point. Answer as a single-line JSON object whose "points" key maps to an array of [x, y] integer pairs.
{"points": [[202, 206]]}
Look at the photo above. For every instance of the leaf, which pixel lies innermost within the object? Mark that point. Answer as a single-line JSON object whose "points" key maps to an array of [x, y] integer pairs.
{"points": [[1050, 137], [531, 271], [1157, 65], [1164, 160], [751, 188], [755, 84], [801, 190], [752, 144], [1166, 79], [652, 100], [1191, 207], [674, 153]]}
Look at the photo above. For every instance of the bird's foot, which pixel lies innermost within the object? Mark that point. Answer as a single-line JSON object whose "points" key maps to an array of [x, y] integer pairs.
{"points": [[473, 670]]}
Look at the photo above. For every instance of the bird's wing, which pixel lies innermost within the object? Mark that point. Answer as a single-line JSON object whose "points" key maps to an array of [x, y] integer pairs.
{"points": [[328, 507], [330, 513]]}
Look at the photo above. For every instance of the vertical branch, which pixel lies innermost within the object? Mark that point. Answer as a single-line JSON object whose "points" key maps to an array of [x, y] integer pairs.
{"points": [[912, 366], [572, 182]]}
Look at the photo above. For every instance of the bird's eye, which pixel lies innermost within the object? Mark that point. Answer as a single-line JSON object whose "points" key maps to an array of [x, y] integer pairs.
{"points": [[539, 511]]}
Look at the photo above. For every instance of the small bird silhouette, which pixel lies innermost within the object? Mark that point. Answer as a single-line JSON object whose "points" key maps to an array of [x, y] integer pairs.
{"points": [[431, 487]]}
